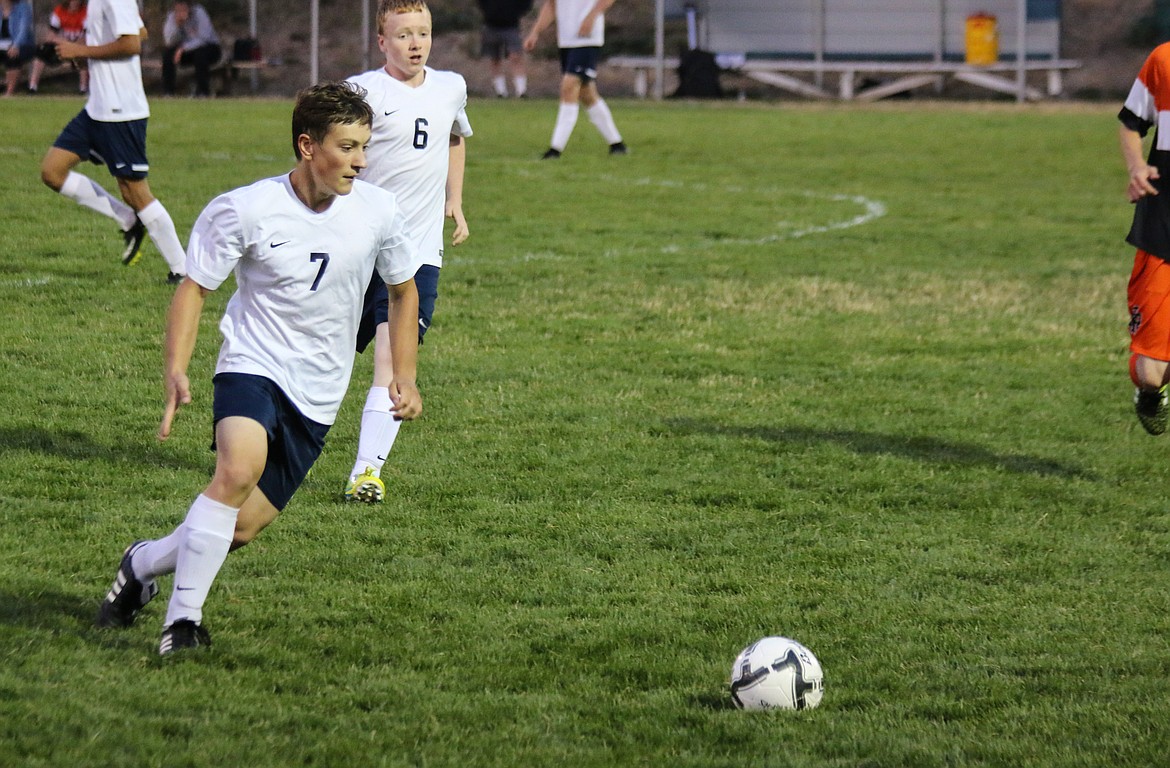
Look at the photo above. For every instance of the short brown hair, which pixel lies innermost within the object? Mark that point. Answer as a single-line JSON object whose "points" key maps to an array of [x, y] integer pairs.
{"points": [[322, 106]]}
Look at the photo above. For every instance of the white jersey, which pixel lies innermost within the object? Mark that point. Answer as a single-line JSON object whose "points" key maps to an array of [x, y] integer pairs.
{"points": [[570, 14], [300, 280], [409, 151], [115, 85]]}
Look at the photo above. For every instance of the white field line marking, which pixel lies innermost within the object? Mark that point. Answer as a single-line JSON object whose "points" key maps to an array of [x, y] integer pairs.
{"points": [[870, 210], [26, 282]]}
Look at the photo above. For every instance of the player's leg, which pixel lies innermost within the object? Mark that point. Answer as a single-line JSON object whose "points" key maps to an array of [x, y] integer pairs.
{"points": [[130, 166], [58, 175], [567, 111], [602, 118], [157, 222], [1149, 327], [379, 429]]}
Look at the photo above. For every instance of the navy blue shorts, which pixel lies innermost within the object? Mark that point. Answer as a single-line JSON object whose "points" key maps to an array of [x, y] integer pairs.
{"points": [[121, 146], [581, 62], [376, 306], [294, 442]]}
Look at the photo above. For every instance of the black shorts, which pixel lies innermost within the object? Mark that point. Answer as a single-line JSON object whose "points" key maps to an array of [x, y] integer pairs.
{"points": [[121, 146], [498, 43], [376, 306], [581, 62], [294, 442]]}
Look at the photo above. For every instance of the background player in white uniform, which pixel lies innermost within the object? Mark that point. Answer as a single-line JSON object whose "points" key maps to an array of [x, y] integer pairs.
{"points": [[112, 130], [580, 35], [417, 151], [302, 248]]}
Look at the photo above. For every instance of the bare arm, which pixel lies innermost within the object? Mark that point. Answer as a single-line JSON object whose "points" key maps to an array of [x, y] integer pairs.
{"points": [[544, 20], [454, 207], [403, 327], [182, 330], [122, 48], [1141, 173]]}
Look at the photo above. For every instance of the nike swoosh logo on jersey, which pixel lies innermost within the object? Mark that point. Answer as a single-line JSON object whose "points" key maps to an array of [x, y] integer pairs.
{"points": [[277, 245], [392, 112]]}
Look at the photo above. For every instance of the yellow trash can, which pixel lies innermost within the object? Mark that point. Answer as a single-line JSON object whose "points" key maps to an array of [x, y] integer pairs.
{"points": [[982, 39]]}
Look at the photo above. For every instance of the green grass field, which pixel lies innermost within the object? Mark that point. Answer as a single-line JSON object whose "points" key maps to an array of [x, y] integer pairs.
{"points": [[855, 375]]}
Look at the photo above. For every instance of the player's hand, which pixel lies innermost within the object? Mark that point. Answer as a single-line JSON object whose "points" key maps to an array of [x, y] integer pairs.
{"points": [[67, 49], [178, 392], [461, 231], [530, 43], [1140, 182], [405, 399]]}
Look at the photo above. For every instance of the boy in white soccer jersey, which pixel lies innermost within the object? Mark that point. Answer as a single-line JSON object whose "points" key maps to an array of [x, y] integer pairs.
{"points": [[580, 35], [302, 247], [112, 130], [417, 151]]}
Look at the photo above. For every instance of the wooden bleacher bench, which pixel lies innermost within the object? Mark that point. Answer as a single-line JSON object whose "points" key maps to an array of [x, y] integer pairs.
{"points": [[906, 75], [226, 71]]}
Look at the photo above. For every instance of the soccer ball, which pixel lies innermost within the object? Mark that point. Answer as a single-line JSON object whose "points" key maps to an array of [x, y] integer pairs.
{"points": [[777, 673]]}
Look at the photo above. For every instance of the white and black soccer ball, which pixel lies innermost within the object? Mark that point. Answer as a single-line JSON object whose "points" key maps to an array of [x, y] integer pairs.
{"points": [[777, 673]]}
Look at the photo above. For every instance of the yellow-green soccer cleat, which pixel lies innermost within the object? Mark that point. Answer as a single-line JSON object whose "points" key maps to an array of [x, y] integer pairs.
{"points": [[1153, 408], [367, 488]]}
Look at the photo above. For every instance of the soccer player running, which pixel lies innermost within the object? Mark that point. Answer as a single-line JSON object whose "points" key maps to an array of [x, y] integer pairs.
{"points": [[302, 247], [580, 35], [1149, 283], [417, 151], [111, 129]]}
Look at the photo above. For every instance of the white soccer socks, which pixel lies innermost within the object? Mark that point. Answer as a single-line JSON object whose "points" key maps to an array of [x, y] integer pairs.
{"points": [[566, 121], [161, 229], [379, 431], [85, 191], [205, 538], [601, 117]]}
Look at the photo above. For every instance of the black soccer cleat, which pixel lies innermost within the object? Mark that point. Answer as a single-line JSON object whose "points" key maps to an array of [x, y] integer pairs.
{"points": [[1153, 408], [174, 278], [133, 238], [619, 148], [128, 595], [551, 154], [182, 635]]}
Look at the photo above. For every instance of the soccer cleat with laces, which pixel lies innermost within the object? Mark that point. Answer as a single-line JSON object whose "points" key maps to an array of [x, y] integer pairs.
{"points": [[367, 488], [128, 595], [133, 238], [181, 635], [1153, 408]]}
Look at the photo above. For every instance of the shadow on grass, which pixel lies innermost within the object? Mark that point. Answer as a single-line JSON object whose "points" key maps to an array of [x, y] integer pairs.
{"points": [[37, 607], [924, 449], [72, 445]]}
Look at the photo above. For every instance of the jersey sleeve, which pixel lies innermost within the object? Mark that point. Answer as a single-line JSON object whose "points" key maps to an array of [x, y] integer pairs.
{"points": [[127, 21], [1149, 94], [216, 244], [461, 126], [398, 258]]}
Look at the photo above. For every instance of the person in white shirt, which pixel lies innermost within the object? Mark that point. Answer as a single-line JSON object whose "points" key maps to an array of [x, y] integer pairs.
{"points": [[302, 247], [417, 151], [189, 40], [111, 129], [580, 35]]}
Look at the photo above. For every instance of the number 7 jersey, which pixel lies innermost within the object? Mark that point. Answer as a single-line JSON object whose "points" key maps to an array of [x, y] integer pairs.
{"points": [[300, 279]]}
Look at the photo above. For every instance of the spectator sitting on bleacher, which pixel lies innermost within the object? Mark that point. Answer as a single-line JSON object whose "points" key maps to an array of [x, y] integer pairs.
{"points": [[189, 40], [17, 41], [67, 22]]}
